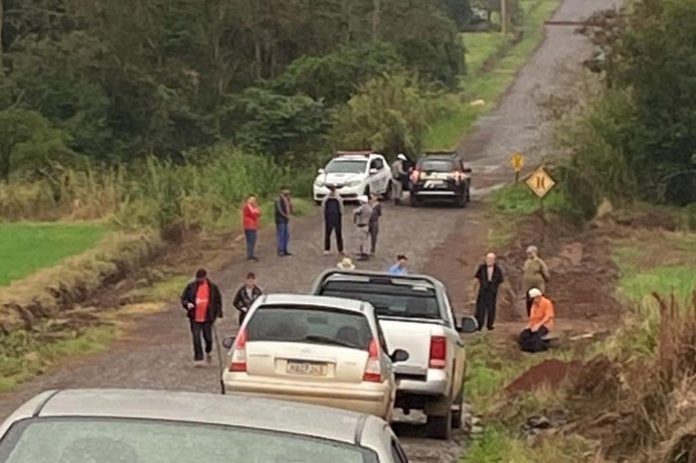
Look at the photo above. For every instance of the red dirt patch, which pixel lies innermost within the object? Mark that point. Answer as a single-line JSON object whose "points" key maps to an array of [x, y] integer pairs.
{"points": [[551, 372]]}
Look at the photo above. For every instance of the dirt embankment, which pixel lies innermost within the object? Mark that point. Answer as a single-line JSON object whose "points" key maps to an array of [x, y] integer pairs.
{"points": [[50, 293]]}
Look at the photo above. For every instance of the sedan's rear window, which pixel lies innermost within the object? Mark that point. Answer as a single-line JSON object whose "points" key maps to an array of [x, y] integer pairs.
{"points": [[310, 324], [437, 165], [111, 440]]}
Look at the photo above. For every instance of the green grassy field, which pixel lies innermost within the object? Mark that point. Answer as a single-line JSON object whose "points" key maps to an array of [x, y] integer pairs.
{"points": [[491, 84], [28, 247]]}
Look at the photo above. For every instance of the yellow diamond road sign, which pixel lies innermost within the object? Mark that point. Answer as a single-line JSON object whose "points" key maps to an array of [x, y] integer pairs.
{"points": [[517, 161], [540, 182]]}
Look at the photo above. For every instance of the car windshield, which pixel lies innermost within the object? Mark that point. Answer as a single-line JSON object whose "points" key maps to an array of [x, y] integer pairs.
{"points": [[345, 166], [407, 300], [112, 440], [310, 324], [436, 165]]}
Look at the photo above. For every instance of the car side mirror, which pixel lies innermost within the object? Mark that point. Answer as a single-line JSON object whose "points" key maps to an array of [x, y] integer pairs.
{"points": [[399, 355], [228, 342], [467, 325], [467, 170], [320, 171]]}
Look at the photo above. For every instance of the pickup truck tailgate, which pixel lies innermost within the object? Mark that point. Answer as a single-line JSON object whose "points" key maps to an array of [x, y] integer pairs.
{"points": [[414, 338]]}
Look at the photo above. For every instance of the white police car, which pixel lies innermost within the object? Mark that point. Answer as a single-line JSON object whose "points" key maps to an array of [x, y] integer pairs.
{"points": [[353, 174]]}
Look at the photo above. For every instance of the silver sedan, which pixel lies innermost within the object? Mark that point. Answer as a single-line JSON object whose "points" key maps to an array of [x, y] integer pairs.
{"points": [[138, 426]]}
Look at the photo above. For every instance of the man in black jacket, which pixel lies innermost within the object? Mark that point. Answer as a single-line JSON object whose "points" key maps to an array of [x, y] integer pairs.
{"points": [[203, 304], [332, 207], [246, 295]]}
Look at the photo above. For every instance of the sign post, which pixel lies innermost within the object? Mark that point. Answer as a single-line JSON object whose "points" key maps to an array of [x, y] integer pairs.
{"points": [[517, 162], [540, 182]]}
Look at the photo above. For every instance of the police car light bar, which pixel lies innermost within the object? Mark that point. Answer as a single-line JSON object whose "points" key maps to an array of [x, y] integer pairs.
{"points": [[353, 153]]}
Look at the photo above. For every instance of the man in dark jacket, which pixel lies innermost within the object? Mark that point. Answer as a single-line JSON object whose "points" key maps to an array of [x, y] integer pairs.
{"points": [[246, 295], [203, 304], [488, 277], [283, 211], [332, 207]]}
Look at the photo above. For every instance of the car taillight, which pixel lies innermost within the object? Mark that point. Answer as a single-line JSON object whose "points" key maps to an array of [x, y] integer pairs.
{"points": [[415, 175], [238, 362], [438, 352], [373, 371]]}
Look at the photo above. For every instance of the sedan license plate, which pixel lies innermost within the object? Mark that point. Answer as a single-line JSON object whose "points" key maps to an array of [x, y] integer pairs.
{"points": [[307, 368]]}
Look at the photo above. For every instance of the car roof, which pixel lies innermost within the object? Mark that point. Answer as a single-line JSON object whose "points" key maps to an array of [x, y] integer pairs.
{"points": [[228, 410], [351, 305], [439, 157]]}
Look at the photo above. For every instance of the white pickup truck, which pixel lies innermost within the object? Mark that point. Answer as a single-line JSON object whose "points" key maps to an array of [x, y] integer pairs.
{"points": [[415, 314]]}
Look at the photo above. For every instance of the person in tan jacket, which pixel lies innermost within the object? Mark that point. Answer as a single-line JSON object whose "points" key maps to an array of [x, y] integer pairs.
{"points": [[535, 274]]}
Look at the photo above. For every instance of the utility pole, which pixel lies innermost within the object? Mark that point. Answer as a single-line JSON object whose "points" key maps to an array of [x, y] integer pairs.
{"points": [[376, 16], [503, 17]]}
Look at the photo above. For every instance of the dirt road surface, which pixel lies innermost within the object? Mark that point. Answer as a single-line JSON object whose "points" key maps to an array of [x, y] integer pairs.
{"points": [[157, 352]]}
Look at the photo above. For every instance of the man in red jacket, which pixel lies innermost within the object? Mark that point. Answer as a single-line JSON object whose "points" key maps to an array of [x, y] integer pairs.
{"points": [[250, 221], [203, 304]]}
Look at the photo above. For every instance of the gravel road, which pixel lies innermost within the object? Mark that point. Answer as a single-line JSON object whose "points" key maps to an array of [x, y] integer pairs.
{"points": [[156, 353]]}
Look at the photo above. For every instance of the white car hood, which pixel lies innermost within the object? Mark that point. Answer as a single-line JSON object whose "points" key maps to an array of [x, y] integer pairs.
{"points": [[339, 178]]}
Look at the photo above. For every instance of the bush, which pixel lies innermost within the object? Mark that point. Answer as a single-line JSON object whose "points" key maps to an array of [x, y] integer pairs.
{"points": [[389, 114]]}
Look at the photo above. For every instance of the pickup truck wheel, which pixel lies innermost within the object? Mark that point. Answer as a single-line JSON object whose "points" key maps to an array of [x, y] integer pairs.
{"points": [[439, 427]]}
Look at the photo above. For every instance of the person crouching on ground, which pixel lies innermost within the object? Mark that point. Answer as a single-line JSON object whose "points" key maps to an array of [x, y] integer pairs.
{"points": [[246, 295], [541, 318], [361, 219], [203, 304]]}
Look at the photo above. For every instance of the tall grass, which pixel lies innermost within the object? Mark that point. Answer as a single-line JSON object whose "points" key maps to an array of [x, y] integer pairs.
{"points": [[154, 193]]}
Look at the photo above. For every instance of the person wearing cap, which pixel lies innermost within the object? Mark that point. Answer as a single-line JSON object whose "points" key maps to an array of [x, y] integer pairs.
{"points": [[535, 274], [361, 219], [488, 278], [399, 268], [332, 208], [398, 174], [541, 318], [202, 301], [346, 264]]}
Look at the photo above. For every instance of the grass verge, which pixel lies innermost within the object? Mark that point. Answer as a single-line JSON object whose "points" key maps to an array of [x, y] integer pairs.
{"points": [[490, 85], [28, 247], [24, 355]]}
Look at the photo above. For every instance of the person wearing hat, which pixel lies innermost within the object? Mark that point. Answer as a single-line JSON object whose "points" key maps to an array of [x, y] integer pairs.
{"points": [[535, 274], [346, 264], [398, 175], [541, 318], [361, 219]]}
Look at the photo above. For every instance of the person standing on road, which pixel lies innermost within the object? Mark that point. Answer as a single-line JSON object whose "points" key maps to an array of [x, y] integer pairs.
{"points": [[203, 304], [332, 207], [373, 225], [250, 220], [246, 295], [283, 211], [361, 219], [398, 174], [488, 278], [535, 274], [541, 317], [399, 268]]}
